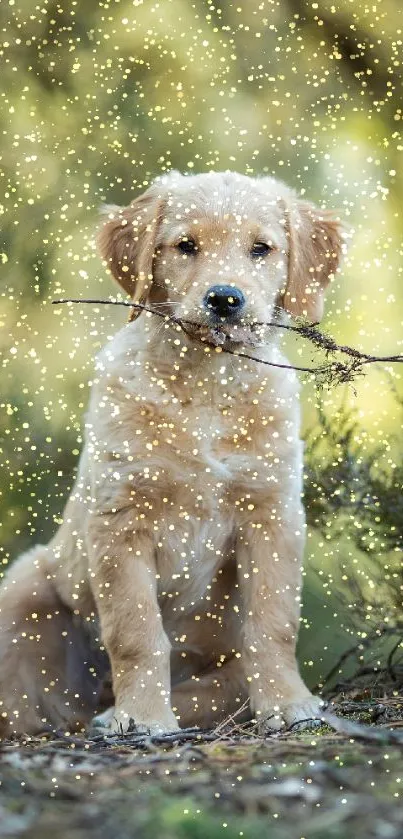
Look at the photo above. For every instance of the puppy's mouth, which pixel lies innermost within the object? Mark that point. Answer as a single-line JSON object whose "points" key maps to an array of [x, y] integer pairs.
{"points": [[227, 335]]}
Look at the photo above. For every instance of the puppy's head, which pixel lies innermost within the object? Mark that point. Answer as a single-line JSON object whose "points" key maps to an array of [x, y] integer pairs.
{"points": [[223, 251]]}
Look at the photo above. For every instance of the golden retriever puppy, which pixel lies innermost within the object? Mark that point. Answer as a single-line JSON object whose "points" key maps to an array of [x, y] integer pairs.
{"points": [[177, 569]]}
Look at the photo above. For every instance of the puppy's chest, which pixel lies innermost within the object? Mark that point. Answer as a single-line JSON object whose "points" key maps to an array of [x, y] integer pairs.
{"points": [[202, 450]]}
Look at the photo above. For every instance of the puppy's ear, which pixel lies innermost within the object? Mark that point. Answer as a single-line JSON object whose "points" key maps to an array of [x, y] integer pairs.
{"points": [[315, 244], [127, 243]]}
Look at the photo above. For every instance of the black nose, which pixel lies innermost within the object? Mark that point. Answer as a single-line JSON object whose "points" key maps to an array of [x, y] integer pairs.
{"points": [[224, 300]]}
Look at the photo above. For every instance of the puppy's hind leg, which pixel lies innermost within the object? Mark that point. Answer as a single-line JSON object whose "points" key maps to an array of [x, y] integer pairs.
{"points": [[208, 699], [45, 654]]}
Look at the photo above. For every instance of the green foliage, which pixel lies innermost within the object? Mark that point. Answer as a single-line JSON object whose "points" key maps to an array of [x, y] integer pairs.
{"points": [[354, 498], [349, 486]]}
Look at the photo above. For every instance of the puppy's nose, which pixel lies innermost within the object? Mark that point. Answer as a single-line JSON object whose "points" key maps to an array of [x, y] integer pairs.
{"points": [[224, 300]]}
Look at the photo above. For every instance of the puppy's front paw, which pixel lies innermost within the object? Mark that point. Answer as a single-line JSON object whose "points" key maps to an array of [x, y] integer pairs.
{"points": [[119, 721], [299, 714]]}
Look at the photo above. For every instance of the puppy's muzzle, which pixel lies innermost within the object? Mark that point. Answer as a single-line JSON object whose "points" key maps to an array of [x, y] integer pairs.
{"points": [[224, 302]]}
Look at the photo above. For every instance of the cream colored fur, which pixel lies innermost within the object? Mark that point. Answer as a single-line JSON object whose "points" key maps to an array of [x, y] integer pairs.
{"points": [[181, 546]]}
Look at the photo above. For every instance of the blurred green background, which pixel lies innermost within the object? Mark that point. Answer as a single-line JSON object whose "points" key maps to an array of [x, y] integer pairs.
{"points": [[97, 99]]}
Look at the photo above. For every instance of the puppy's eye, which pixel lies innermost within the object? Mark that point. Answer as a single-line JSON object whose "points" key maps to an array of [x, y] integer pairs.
{"points": [[187, 245], [260, 249]]}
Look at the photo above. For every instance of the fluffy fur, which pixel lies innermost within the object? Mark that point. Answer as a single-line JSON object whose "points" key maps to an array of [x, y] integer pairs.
{"points": [[177, 569]]}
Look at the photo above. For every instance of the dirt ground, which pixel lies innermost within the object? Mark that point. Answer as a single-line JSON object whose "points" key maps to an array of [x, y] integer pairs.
{"points": [[342, 780]]}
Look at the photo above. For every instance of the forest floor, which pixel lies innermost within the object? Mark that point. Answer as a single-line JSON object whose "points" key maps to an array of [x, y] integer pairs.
{"points": [[340, 781]]}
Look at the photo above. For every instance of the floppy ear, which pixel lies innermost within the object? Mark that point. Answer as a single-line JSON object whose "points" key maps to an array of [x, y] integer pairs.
{"points": [[315, 243], [127, 243]]}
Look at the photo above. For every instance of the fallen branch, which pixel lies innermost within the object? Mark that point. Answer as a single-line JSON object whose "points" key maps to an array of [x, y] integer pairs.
{"points": [[333, 372], [360, 731]]}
